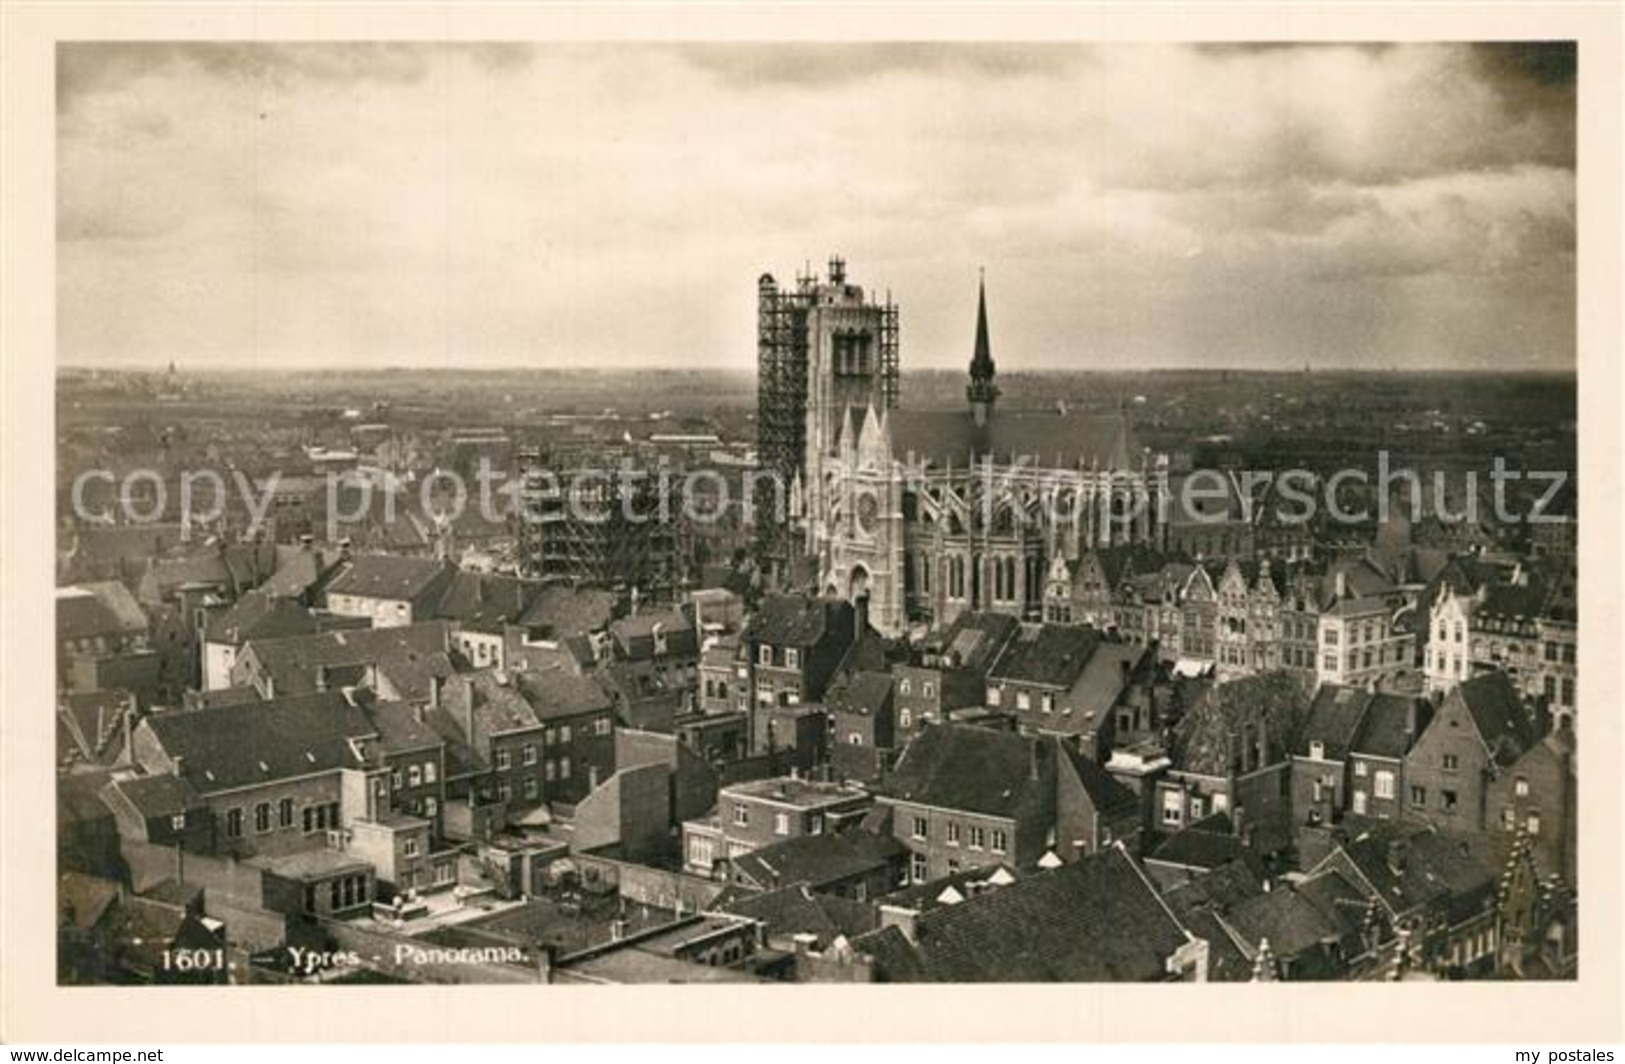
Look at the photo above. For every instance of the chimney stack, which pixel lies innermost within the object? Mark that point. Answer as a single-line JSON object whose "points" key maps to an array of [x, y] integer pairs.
{"points": [[1341, 582], [178, 764], [437, 691]]}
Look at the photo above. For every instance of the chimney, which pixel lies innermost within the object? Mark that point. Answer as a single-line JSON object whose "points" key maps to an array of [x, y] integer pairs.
{"points": [[1342, 584], [804, 941], [129, 734], [178, 765], [1032, 759], [1410, 722], [307, 541]]}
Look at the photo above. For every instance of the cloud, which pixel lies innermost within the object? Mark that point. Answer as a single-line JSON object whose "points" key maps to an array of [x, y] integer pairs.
{"points": [[613, 203]]}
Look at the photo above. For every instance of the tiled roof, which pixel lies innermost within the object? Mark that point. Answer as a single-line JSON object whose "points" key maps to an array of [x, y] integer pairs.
{"points": [[1053, 440], [975, 639], [895, 958], [242, 745], [1049, 655], [105, 608], [387, 576], [402, 726], [298, 571], [83, 900], [560, 612], [1094, 920], [863, 693], [1505, 724], [257, 615], [556, 693], [292, 662], [485, 602], [1195, 847], [1391, 726], [1334, 719], [818, 860], [1410, 867], [1292, 924], [158, 795], [791, 620], [635, 634], [977, 770]]}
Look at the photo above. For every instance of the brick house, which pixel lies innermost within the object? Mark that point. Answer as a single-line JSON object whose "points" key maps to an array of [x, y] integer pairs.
{"points": [[270, 773], [964, 797], [791, 649], [1481, 729]]}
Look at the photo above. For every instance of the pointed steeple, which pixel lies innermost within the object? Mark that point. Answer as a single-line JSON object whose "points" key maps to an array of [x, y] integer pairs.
{"points": [[1121, 457], [981, 391]]}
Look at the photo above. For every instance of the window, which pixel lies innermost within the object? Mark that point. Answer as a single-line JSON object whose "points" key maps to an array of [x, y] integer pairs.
{"points": [[741, 816], [1447, 801], [430, 807], [380, 787], [1451, 762], [917, 867], [1360, 769], [854, 739], [792, 658], [992, 696], [262, 817], [927, 689], [505, 791], [764, 655], [550, 769], [1000, 840], [953, 833], [920, 827], [1330, 637], [409, 848], [504, 760], [234, 823], [978, 837], [905, 719], [564, 733], [1520, 787], [1172, 807], [1509, 818], [395, 778], [1047, 703], [1196, 808], [781, 823], [178, 822], [527, 754], [1024, 700], [815, 824], [1419, 796], [1532, 824], [310, 820], [601, 726], [1383, 784], [284, 812], [429, 772], [531, 788], [414, 776], [564, 768]]}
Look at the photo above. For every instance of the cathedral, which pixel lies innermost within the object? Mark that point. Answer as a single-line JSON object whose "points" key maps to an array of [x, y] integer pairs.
{"points": [[924, 514]]}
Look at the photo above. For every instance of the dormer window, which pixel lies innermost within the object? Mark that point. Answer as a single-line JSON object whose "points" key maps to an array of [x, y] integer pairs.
{"points": [[792, 658], [764, 655], [1317, 751]]}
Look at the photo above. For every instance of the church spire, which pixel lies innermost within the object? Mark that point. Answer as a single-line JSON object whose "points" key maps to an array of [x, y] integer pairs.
{"points": [[981, 391]]}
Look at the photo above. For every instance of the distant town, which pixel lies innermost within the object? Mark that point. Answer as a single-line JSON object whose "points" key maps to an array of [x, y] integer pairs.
{"points": [[983, 676]]}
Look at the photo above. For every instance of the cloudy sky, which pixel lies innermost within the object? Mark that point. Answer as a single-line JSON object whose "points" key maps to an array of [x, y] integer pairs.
{"points": [[1159, 206]]}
